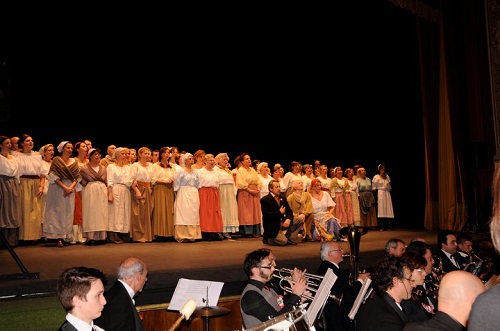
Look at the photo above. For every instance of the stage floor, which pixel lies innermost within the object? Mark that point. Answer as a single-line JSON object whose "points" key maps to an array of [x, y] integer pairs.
{"points": [[220, 261]]}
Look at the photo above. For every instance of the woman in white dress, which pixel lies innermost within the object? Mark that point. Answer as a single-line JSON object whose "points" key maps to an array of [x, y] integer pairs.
{"points": [[94, 199], [381, 182], [119, 196], [227, 193], [187, 202], [60, 208], [323, 206]]}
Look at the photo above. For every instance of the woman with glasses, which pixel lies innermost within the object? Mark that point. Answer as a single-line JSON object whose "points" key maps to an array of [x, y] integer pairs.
{"points": [[417, 308]]}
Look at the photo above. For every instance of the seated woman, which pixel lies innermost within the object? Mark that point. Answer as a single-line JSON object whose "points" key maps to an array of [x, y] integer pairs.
{"points": [[324, 221]]}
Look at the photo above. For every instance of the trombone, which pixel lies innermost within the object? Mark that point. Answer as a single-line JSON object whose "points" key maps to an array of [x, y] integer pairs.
{"points": [[312, 283]]}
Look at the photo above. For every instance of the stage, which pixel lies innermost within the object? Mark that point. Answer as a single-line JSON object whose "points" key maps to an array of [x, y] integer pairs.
{"points": [[220, 261]]}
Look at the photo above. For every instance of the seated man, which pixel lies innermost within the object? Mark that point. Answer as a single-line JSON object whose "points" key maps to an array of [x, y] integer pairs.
{"points": [[258, 302], [280, 228], [393, 282]]}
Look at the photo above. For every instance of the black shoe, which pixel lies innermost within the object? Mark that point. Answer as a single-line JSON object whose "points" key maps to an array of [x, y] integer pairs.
{"points": [[264, 241]]}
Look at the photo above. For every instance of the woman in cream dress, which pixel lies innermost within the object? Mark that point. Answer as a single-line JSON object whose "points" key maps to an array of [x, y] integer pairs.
{"points": [[187, 202], [120, 179]]}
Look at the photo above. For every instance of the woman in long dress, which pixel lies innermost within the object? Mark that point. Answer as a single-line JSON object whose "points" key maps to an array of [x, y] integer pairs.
{"points": [[248, 184], [32, 177], [187, 202], [10, 202], [382, 184], [119, 196], [227, 193], [59, 212], [94, 199], [164, 197]]}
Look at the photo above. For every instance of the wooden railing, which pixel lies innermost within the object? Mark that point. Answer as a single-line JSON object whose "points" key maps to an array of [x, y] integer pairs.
{"points": [[159, 318]]}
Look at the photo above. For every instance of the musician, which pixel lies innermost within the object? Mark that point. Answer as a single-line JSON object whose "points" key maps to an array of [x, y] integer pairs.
{"points": [[383, 312], [416, 307], [335, 316], [447, 251], [258, 302], [280, 227], [427, 292], [395, 247], [464, 243]]}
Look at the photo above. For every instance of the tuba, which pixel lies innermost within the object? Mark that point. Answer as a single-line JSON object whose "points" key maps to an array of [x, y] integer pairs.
{"points": [[353, 234]]}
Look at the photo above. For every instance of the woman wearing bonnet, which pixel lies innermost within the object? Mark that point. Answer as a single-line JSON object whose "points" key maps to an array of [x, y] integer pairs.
{"points": [[187, 202], [59, 212]]}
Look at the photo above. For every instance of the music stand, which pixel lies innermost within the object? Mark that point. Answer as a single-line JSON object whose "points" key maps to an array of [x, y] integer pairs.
{"points": [[25, 273]]}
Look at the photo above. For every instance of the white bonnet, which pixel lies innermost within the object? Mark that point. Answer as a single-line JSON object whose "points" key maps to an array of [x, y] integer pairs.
{"points": [[61, 146]]}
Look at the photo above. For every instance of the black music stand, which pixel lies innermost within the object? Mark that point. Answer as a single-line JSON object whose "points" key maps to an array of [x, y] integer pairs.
{"points": [[25, 274]]}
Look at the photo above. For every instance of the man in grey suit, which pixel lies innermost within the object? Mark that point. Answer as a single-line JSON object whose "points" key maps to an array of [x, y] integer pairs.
{"points": [[81, 292]]}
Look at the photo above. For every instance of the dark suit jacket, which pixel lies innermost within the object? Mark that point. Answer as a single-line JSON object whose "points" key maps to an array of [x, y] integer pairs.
{"points": [[440, 321], [448, 265], [119, 313], [380, 313], [67, 326], [271, 215], [335, 316]]}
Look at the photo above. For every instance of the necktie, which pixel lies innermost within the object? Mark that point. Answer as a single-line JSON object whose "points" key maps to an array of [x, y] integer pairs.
{"points": [[454, 260]]}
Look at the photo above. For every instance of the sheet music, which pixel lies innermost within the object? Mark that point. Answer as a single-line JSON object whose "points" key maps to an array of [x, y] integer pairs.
{"points": [[197, 290], [360, 298], [322, 294]]}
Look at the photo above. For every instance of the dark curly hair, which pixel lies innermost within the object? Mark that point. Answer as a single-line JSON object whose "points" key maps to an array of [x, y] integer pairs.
{"points": [[253, 259], [388, 268]]}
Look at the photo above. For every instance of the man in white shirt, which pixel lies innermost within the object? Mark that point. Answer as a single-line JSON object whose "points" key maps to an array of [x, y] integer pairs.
{"points": [[81, 292]]}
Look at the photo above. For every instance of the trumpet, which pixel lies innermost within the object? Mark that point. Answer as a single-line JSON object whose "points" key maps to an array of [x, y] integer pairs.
{"points": [[312, 283]]}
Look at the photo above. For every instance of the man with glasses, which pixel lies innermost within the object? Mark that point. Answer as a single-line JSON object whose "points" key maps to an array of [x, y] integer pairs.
{"points": [[259, 302], [392, 278], [335, 315]]}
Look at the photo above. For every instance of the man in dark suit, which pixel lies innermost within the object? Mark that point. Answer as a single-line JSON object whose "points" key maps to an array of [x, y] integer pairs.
{"points": [[81, 292], [277, 218], [383, 312], [120, 312], [448, 251], [335, 315]]}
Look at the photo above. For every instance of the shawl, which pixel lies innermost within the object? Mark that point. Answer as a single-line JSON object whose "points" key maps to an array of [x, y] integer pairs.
{"points": [[90, 175], [61, 170]]}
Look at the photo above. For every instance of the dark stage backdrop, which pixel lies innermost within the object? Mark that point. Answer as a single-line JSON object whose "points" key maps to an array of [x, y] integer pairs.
{"points": [[336, 84]]}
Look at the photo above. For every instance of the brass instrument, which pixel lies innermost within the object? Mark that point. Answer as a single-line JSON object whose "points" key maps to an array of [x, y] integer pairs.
{"points": [[312, 283], [353, 234], [322, 232]]}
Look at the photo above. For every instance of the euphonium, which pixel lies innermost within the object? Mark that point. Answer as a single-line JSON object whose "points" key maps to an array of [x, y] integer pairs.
{"points": [[322, 232], [312, 283]]}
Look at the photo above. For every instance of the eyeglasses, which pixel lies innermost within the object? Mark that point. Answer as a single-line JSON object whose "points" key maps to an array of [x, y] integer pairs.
{"points": [[337, 250], [265, 267], [409, 279]]}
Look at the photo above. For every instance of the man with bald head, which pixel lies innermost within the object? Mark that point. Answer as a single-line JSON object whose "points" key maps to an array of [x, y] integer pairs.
{"points": [[457, 292]]}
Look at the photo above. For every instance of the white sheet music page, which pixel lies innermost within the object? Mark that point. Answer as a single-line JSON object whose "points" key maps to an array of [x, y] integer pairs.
{"points": [[360, 298], [197, 290], [322, 294]]}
